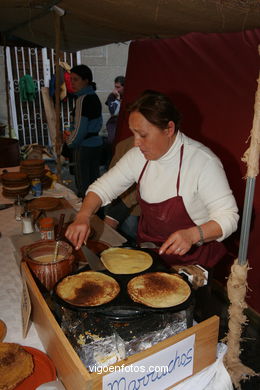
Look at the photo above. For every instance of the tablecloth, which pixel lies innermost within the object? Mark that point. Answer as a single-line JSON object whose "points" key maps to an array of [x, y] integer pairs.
{"points": [[11, 284]]}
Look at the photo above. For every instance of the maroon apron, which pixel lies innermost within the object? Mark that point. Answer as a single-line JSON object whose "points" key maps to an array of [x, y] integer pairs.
{"points": [[159, 220]]}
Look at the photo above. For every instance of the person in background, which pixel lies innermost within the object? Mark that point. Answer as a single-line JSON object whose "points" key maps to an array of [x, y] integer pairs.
{"points": [[187, 206], [83, 137], [113, 102]]}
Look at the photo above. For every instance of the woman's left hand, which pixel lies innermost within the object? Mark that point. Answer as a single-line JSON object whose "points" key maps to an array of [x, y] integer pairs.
{"points": [[178, 243]]}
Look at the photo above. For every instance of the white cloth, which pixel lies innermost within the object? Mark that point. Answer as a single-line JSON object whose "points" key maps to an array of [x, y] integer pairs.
{"points": [[214, 377], [10, 279], [203, 183], [11, 284]]}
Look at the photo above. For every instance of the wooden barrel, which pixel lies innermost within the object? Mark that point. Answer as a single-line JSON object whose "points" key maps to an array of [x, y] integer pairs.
{"points": [[9, 152]]}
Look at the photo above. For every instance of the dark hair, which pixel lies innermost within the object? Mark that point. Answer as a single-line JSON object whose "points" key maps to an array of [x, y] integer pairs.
{"points": [[85, 73], [157, 108], [120, 79]]}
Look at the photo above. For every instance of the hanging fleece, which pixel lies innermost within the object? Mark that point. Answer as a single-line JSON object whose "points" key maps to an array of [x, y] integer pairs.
{"points": [[28, 88], [68, 82]]}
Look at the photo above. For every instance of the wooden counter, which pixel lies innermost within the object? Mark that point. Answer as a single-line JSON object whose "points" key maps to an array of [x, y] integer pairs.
{"points": [[71, 370]]}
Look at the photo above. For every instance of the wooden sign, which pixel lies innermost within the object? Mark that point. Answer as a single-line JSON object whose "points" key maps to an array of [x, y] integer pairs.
{"points": [[154, 372]]}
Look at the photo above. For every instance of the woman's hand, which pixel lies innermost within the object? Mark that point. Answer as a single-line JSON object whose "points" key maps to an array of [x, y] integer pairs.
{"points": [[78, 231], [178, 243]]}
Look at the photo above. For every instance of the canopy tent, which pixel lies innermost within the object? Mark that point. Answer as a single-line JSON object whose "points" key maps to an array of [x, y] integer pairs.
{"points": [[94, 23]]}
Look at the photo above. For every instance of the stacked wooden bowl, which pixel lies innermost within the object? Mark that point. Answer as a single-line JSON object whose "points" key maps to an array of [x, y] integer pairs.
{"points": [[34, 168], [14, 184]]}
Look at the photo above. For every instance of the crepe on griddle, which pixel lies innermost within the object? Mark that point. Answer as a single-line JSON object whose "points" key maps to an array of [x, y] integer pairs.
{"points": [[125, 261], [158, 289], [88, 289], [16, 364]]}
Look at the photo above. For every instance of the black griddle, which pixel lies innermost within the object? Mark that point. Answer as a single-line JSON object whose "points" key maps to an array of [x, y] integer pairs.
{"points": [[123, 308]]}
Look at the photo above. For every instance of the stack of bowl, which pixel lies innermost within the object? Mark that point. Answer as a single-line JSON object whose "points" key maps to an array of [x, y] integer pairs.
{"points": [[14, 184], [34, 168]]}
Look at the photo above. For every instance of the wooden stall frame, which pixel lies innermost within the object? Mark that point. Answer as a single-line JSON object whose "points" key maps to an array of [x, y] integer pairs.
{"points": [[70, 368]]}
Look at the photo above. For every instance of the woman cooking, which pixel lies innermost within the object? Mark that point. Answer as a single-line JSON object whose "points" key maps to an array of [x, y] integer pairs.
{"points": [[187, 206]]}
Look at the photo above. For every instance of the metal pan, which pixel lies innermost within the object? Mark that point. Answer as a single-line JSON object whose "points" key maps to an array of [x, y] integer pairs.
{"points": [[121, 307]]}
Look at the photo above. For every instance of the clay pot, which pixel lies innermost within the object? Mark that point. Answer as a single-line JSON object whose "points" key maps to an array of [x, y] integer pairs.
{"points": [[39, 257]]}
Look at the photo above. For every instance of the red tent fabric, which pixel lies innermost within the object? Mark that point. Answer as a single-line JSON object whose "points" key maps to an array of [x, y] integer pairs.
{"points": [[212, 79]]}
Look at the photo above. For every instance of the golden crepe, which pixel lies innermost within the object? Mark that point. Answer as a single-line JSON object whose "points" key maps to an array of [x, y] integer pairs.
{"points": [[125, 261], [16, 364], [88, 289], [158, 289]]}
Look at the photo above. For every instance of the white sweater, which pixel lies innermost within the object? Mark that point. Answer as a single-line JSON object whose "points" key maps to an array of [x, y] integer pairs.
{"points": [[203, 184]]}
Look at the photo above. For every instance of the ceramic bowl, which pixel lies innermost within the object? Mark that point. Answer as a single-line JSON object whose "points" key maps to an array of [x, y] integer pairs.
{"points": [[40, 259]]}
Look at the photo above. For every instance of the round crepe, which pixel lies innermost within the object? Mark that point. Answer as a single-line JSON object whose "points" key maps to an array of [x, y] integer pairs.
{"points": [[16, 364], [88, 289], [158, 289], [125, 261]]}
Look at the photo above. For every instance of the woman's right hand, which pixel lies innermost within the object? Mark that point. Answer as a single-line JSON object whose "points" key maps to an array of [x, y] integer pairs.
{"points": [[78, 231]]}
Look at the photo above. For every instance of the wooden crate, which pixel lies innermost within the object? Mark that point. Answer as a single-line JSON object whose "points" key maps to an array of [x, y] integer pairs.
{"points": [[71, 370]]}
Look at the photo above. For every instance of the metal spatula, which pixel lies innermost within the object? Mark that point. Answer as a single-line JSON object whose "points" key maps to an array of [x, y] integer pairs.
{"points": [[93, 260]]}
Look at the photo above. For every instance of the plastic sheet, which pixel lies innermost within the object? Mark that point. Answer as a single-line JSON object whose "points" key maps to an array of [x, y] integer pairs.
{"points": [[101, 341]]}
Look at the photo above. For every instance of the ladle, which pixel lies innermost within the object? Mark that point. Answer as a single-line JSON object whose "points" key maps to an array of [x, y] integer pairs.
{"points": [[58, 237]]}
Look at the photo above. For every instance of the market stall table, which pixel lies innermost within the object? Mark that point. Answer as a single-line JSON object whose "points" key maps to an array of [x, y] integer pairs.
{"points": [[10, 278], [11, 292]]}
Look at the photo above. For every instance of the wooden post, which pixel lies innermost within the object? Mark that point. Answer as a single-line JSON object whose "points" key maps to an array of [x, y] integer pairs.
{"points": [[237, 281], [58, 140], [50, 113]]}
